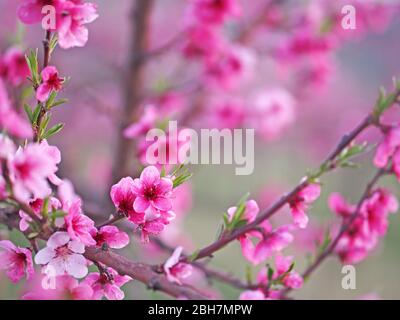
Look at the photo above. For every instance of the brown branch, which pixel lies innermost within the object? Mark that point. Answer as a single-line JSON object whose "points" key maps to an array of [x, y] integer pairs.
{"points": [[346, 225], [266, 214], [208, 271], [141, 272], [134, 86], [138, 271]]}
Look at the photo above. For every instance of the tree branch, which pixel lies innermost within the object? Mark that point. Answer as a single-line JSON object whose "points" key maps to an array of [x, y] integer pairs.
{"points": [[134, 85], [267, 213]]}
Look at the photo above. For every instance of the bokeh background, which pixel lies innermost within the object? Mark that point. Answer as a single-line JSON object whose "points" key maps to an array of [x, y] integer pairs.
{"points": [[323, 115]]}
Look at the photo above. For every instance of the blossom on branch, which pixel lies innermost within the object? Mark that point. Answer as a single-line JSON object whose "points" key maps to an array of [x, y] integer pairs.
{"points": [[62, 255], [17, 261]]}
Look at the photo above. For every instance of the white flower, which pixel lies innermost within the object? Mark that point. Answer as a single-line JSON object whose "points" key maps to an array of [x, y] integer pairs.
{"points": [[63, 255]]}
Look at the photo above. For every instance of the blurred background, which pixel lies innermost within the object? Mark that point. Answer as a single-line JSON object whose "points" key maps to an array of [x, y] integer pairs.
{"points": [[323, 113]]}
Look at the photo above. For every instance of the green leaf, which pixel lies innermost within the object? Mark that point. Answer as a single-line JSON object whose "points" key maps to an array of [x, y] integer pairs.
{"points": [[36, 112], [236, 220], [53, 43], [249, 274], [28, 112], [51, 99], [45, 207], [59, 102], [270, 273], [54, 130], [385, 101], [32, 62]]}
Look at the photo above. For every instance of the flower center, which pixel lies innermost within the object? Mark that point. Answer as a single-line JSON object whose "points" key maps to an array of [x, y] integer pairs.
{"points": [[150, 193]]}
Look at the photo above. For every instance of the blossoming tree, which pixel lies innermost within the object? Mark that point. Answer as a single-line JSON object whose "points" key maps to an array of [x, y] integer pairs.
{"points": [[75, 252]]}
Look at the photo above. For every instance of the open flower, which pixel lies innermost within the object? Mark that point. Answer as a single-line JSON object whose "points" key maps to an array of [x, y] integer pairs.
{"points": [[30, 11], [16, 68], [366, 228], [123, 196], [50, 82], [71, 21], [30, 168], [152, 191], [10, 120], [7, 147], [37, 207], [63, 255], [215, 11], [65, 288], [299, 204], [17, 261], [79, 226], [176, 270], [107, 284]]}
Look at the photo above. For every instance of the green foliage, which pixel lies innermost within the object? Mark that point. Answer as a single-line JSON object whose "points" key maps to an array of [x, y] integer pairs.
{"points": [[386, 100], [32, 61]]}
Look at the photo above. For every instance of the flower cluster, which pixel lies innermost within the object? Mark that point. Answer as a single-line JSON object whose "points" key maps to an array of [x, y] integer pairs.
{"points": [[69, 20], [367, 224], [146, 201], [269, 280], [13, 71]]}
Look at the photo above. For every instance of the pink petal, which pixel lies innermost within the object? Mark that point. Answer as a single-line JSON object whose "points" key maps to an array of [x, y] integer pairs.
{"points": [[140, 205], [45, 255], [150, 175], [43, 92], [75, 265], [58, 239]]}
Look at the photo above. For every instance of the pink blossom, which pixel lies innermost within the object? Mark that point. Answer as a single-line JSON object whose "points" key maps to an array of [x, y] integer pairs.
{"points": [[202, 41], [7, 147], [269, 240], [215, 11], [17, 261], [230, 68], [66, 287], [272, 112], [226, 114], [299, 204], [176, 270], [37, 207], [370, 223], [107, 284], [71, 21], [152, 190], [50, 82], [63, 255], [290, 279], [16, 68], [30, 168], [123, 195], [167, 150], [30, 11], [388, 147], [79, 226], [151, 227], [275, 240], [252, 295], [10, 120], [111, 236], [66, 192]]}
